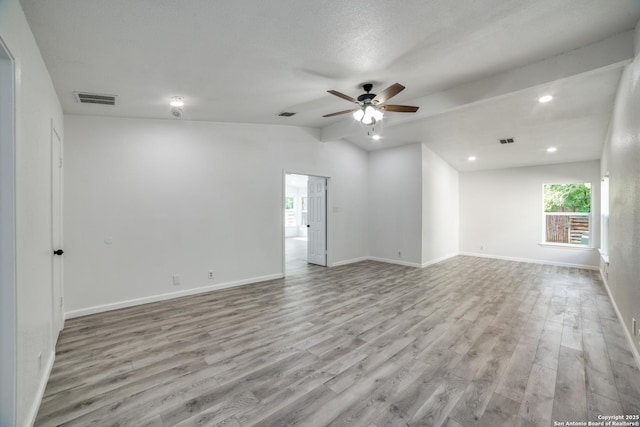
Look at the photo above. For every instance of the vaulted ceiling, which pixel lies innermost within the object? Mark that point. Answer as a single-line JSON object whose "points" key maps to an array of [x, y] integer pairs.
{"points": [[476, 69]]}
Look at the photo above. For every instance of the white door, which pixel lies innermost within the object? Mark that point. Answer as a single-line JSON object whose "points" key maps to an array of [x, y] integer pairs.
{"points": [[56, 232], [317, 220]]}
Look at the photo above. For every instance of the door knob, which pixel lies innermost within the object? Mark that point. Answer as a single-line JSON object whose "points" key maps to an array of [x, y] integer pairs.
{"points": [[58, 252], [308, 226]]}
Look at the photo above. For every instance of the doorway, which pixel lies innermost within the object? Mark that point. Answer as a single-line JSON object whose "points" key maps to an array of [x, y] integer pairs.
{"points": [[8, 302], [305, 222]]}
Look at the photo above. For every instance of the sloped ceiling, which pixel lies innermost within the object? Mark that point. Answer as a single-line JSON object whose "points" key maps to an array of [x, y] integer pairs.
{"points": [[247, 61]]}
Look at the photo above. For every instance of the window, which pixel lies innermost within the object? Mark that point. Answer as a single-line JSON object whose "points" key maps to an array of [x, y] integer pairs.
{"points": [[567, 214], [288, 202], [289, 212]]}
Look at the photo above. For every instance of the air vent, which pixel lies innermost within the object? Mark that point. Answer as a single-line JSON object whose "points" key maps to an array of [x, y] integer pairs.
{"points": [[95, 98], [286, 114], [507, 140]]}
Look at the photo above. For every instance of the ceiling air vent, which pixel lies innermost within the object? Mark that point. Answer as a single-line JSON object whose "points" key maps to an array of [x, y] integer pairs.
{"points": [[507, 140], [286, 114], [95, 98]]}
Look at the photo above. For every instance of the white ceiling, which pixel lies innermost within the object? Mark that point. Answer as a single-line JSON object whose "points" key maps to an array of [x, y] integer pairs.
{"points": [[246, 61], [575, 122]]}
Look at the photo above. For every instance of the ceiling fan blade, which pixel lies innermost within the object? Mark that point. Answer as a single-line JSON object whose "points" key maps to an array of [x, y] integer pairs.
{"points": [[343, 96], [399, 108], [388, 93], [341, 112]]}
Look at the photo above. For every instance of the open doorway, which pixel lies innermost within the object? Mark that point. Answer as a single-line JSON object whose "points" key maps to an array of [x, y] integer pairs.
{"points": [[305, 228]]}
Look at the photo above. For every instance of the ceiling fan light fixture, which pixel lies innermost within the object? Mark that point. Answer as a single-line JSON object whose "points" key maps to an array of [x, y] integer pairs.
{"points": [[177, 101], [371, 107], [367, 119], [370, 115]]}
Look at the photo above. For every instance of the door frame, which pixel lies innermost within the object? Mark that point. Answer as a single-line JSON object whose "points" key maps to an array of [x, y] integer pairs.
{"points": [[8, 286], [57, 307], [328, 215]]}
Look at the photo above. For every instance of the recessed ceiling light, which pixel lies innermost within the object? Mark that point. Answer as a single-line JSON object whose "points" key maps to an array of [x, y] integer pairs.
{"points": [[552, 149], [376, 137], [545, 98], [472, 158], [177, 101]]}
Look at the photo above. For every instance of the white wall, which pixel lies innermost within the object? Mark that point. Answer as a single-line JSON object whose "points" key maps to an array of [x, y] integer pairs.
{"points": [[621, 159], [36, 107], [180, 197], [440, 208], [501, 210], [395, 204]]}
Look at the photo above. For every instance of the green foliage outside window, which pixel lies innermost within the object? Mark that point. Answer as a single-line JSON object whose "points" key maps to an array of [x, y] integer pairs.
{"points": [[288, 202], [567, 197]]}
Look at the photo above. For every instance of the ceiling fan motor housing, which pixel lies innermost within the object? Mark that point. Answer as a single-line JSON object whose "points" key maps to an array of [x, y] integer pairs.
{"points": [[376, 102], [367, 97]]}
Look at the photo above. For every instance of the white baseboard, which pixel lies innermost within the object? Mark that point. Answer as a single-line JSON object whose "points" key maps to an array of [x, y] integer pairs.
{"points": [[627, 333], [395, 261], [349, 261], [531, 260], [437, 260], [162, 297], [35, 405]]}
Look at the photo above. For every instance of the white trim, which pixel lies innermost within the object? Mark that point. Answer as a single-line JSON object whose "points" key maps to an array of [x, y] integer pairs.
{"points": [[628, 334], [8, 280], [349, 261], [533, 261], [35, 406], [604, 256], [171, 295], [566, 246], [437, 260], [395, 261], [392, 261]]}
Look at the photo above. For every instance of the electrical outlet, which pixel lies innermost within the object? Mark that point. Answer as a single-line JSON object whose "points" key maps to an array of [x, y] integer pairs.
{"points": [[481, 248], [634, 327], [39, 360], [176, 279], [400, 254], [211, 275]]}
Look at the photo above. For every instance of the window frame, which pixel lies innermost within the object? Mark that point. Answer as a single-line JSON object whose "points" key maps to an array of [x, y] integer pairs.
{"points": [[543, 239]]}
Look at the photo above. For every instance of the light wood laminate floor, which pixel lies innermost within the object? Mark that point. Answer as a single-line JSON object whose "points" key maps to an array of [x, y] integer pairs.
{"points": [[468, 341]]}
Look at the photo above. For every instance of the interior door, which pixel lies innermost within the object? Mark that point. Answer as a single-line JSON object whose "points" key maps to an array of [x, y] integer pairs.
{"points": [[56, 232], [317, 220]]}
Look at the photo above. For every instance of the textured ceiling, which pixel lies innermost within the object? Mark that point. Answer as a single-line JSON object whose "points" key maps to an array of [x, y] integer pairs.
{"points": [[575, 122], [246, 61]]}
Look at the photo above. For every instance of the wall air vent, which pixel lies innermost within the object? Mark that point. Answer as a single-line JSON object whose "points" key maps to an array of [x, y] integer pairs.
{"points": [[95, 98], [507, 140], [286, 114]]}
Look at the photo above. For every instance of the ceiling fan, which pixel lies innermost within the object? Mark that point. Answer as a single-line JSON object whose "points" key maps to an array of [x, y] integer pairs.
{"points": [[371, 106]]}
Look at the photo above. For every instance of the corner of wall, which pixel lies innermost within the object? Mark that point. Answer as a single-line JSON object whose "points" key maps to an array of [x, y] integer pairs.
{"points": [[637, 39]]}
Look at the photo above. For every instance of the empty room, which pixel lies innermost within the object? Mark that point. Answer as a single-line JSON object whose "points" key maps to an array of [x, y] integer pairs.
{"points": [[374, 214]]}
